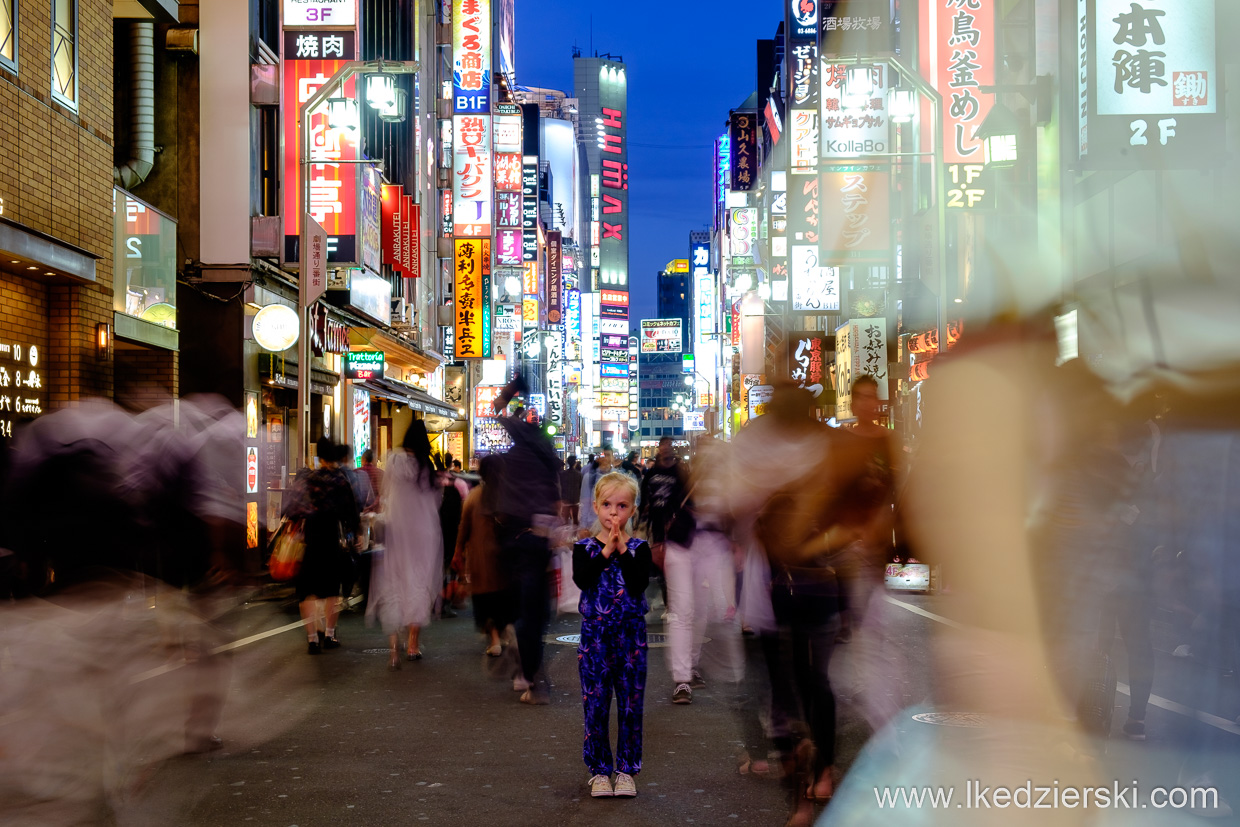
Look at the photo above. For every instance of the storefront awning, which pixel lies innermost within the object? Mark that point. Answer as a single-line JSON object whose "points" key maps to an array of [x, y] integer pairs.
{"points": [[283, 373], [35, 255], [396, 350], [416, 398]]}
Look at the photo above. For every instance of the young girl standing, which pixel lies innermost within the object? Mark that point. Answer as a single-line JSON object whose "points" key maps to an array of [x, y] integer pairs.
{"points": [[612, 570]]}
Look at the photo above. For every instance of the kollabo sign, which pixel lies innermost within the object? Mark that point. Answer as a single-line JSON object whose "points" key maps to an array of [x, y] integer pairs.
{"points": [[363, 364], [853, 127]]}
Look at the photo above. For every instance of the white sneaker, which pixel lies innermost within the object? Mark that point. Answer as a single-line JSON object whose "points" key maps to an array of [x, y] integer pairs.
{"points": [[600, 787], [625, 787]]}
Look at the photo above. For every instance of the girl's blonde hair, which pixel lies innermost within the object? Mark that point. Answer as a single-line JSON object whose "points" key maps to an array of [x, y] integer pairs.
{"points": [[615, 479]]}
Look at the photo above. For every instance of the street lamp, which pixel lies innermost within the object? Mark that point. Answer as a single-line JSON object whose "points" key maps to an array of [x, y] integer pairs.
{"points": [[338, 112], [998, 135]]}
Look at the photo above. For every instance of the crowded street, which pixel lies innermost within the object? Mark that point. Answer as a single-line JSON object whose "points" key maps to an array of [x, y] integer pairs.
{"points": [[789, 413]]}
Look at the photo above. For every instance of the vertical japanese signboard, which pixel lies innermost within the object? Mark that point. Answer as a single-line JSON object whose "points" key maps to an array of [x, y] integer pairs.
{"points": [[860, 350], [529, 208], [471, 56], [743, 139], [310, 59], [487, 292], [393, 227], [467, 298], [413, 241], [408, 234], [555, 276], [1149, 84], [803, 132], [807, 364], [958, 57], [371, 223], [856, 214], [472, 176]]}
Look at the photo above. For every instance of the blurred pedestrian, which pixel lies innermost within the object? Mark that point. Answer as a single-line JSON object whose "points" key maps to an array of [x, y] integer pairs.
{"points": [[375, 473], [612, 570], [325, 504], [665, 508], [455, 490], [407, 575], [527, 511], [570, 491], [477, 557], [598, 468]]}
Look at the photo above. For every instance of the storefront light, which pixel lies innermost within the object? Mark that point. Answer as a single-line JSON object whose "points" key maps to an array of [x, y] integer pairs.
{"points": [[998, 135], [902, 105], [743, 282], [342, 114], [381, 91], [858, 87]]}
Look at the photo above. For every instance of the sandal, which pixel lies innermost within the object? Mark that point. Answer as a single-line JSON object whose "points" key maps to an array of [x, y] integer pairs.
{"points": [[494, 650], [812, 788], [411, 656]]}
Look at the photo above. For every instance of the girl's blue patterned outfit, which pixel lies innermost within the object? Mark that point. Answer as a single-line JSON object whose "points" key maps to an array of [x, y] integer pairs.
{"points": [[612, 654]]}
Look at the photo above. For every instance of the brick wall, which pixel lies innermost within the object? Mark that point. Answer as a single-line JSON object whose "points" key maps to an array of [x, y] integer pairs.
{"points": [[145, 378], [56, 178]]}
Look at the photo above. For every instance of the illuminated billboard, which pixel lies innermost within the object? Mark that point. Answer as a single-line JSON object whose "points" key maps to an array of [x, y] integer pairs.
{"points": [[471, 57], [310, 58], [472, 198], [662, 336]]}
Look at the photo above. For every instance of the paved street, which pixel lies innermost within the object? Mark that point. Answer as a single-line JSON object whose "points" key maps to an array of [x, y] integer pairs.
{"points": [[337, 739]]}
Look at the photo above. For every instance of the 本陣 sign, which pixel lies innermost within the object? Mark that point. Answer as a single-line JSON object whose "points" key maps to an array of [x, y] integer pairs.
{"points": [[1149, 84], [468, 298]]}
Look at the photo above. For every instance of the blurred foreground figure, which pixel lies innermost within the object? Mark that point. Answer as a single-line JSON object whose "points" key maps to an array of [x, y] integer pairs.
{"points": [[118, 525], [406, 576], [527, 505]]}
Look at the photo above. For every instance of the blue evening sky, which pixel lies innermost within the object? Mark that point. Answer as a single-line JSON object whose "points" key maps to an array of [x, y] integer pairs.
{"points": [[688, 64]]}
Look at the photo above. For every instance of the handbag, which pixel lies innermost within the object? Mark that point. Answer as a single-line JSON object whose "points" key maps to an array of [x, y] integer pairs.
{"points": [[287, 551]]}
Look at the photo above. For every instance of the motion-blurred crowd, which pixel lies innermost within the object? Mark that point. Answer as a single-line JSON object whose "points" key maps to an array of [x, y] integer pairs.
{"points": [[1071, 533]]}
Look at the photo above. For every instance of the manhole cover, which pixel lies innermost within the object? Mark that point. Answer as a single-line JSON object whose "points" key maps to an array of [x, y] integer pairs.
{"points": [[654, 640], [376, 651], [970, 720]]}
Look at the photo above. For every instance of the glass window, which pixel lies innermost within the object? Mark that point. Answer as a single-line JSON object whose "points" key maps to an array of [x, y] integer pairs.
{"points": [[144, 260], [64, 50], [8, 33]]}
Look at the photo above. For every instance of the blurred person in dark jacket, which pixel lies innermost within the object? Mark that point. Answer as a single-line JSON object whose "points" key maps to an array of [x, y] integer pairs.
{"points": [[326, 504], [526, 511]]}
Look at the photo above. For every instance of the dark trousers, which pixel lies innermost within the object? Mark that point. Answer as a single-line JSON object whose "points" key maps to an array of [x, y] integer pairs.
{"points": [[527, 556], [800, 684], [612, 659]]}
